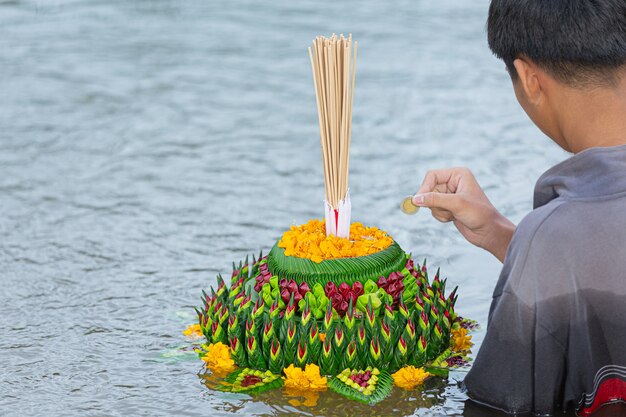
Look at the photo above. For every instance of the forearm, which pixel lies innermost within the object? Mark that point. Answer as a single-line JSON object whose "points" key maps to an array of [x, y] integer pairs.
{"points": [[499, 237]]}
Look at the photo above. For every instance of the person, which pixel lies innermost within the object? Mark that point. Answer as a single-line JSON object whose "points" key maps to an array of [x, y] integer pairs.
{"points": [[556, 334]]}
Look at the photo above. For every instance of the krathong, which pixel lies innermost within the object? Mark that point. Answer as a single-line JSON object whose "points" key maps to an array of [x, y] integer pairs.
{"points": [[333, 304]]}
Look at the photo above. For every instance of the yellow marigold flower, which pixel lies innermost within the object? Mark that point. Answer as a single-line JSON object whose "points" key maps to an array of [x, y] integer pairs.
{"points": [[409, 377], [309, 379], [193, 331], [218, 358], [310, 241], [461, 341], [314, 258]]}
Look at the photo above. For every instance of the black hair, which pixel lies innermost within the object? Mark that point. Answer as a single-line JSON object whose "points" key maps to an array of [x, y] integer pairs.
{"points": [[576, 41]]}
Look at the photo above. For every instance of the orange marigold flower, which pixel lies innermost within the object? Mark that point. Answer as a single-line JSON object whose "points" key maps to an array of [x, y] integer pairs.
{"points": [[310, 241]]}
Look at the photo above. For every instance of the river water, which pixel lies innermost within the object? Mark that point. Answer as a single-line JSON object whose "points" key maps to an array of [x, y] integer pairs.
{"points": [[146, 144]]}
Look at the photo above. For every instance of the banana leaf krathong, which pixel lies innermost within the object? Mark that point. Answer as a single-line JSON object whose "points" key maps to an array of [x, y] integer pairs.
{"points": [[336, 295], [268, 330]]}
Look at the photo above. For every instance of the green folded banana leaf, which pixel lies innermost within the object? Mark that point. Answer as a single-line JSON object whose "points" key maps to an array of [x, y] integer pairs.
{"points": [[347, 270], [233, 381], [383, 389]]}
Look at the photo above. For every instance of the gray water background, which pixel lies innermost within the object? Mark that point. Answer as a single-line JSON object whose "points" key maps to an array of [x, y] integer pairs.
{"points": [[144, 145]]}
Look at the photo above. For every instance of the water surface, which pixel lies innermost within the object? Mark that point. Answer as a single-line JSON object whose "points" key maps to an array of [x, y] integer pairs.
{"points": [[146, 144]]}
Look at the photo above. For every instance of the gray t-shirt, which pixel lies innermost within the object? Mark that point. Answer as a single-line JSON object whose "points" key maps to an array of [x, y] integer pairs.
{"points": [[556, 336]]}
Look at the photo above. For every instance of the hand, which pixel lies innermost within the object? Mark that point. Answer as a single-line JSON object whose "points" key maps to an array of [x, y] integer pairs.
{"points": [[453, 195]]}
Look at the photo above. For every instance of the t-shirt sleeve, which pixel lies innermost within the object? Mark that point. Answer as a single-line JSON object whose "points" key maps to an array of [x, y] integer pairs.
{"points": [[520, 365]]}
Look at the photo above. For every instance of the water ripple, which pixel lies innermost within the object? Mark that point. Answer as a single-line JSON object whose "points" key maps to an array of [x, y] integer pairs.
{"points": [[145, 145]]}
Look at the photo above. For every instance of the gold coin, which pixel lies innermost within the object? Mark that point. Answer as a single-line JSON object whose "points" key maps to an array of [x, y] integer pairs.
{"points": [[408, 207]]}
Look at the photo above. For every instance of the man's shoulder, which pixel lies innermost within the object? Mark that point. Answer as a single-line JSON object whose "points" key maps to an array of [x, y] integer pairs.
{"points": [[568, 228], [539, 249], [561, 222], [560, 245], [542, 226]]}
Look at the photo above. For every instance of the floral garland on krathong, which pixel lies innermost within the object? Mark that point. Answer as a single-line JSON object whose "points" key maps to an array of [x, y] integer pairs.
{"points": [[264, 331]]}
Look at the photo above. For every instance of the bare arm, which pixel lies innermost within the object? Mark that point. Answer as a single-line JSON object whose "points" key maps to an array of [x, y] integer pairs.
{"points": [[453, 195]]}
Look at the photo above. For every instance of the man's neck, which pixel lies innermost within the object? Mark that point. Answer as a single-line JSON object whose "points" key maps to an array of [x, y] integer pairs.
{"points": [[595, 117]]}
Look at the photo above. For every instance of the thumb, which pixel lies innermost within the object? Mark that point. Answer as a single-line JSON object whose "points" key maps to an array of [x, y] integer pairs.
{"points": [[444, 201]]}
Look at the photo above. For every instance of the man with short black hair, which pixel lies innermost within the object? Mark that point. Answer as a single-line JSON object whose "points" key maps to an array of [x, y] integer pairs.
{"points": [[556, 337]]}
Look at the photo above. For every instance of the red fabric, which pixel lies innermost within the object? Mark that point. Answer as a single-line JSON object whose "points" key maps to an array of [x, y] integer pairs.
{"points": [[336, 219], [610, 390]]}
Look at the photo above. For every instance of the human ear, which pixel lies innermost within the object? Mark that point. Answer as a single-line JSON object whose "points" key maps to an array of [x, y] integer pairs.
{"points": [[528, 80]]}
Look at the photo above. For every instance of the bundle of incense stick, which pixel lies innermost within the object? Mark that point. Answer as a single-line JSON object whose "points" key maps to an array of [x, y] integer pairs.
{"points": [[333, 61]]}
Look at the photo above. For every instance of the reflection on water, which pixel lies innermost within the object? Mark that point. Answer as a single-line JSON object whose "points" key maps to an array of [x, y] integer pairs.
{"points": [[146, 144], [428, 401]]}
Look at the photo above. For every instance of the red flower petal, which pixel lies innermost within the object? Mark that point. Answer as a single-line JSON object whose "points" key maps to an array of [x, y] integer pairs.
{"points": [[382, 282], [343, 289], [357, 288], [304, 288], [330, 289]]}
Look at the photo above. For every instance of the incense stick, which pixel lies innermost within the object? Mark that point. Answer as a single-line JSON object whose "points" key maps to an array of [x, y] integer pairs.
{"points": [[333, 63]]}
